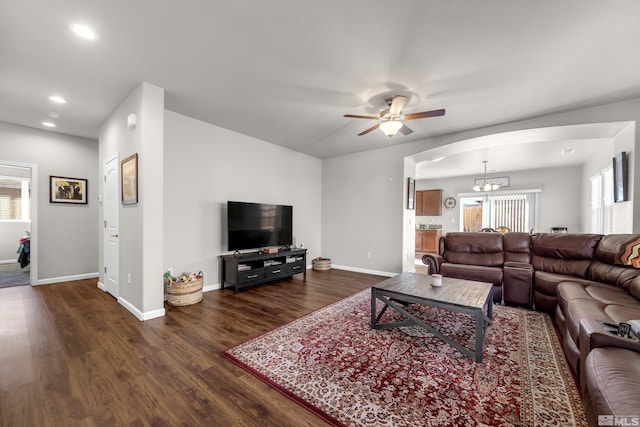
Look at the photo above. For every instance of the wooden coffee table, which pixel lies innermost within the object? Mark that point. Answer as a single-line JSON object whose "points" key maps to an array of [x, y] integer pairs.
{"points": [[456, 295]]}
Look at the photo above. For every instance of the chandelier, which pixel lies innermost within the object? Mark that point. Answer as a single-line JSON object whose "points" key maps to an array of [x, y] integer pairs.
{"points": [[486, 185]]}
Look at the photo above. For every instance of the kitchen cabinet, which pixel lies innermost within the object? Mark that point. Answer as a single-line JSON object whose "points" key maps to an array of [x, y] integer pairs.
{"points": [[429, 202], [428, 240]]}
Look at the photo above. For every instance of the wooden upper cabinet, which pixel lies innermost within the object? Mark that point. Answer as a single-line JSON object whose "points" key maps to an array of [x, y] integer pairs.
{"points": [[419, 198], [429, 202]]}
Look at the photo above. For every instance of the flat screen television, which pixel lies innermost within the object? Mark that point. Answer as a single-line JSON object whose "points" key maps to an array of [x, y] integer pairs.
{"points": [[258, 225]]}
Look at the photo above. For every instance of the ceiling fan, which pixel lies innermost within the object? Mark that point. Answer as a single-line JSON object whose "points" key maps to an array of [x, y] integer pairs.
{"points": [[391, 118]]}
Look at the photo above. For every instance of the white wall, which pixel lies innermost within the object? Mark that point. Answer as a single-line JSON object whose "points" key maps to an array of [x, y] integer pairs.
{"points": [[623, 211], [205, 166], [67, 239], [141, 231], [559, 202], [363, 210]]}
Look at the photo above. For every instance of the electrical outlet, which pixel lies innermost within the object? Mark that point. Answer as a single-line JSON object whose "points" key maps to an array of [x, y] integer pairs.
{"points": [[128, 278], [369, 255]]}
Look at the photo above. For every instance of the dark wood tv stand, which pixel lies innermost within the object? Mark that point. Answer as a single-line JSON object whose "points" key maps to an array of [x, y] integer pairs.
{"points": [[240, 270]]}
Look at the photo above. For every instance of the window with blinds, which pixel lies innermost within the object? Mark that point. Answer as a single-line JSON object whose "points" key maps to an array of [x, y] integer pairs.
{"points": [[602, 202], [502, 211], [14, 199]]}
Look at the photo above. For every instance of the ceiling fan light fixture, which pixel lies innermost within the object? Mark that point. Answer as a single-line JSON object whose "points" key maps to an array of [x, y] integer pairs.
{"points": [[390, 127]]}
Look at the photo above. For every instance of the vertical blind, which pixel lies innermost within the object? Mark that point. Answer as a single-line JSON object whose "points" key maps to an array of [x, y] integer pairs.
{"points": [[511, 211]]}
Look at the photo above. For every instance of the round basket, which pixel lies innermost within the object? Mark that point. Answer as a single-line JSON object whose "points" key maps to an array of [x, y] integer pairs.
{"points": [[184, 293], [321, 264]]}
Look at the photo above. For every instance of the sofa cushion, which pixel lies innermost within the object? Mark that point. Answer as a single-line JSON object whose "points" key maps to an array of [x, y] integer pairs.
{"points": [[568, 254], [548, 282], [612, 246], [612, 381], [606, 294], [593, 301], [565, 246], [612, 274], [576, 310], [574, 268], [517, 247], [477, 249], [606, 266], [472, 272]]}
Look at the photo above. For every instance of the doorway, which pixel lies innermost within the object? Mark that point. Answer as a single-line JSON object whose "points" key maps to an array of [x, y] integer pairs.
{"points": [[18, 221]]}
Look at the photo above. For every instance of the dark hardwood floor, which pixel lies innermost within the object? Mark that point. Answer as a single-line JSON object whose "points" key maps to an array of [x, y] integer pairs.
{"points": [[71, 355]]}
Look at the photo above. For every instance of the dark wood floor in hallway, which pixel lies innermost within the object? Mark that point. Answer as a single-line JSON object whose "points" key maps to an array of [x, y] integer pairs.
{"points": [[71, 355]]}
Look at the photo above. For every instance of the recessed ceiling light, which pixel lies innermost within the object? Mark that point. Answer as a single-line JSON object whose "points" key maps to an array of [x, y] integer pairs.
{"points": [[568, 151], [48, 124], [57, 99], [53, 114], [83, 31]]}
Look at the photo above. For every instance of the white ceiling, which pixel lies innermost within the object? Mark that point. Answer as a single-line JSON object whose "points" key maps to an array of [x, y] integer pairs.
{"points": [[285, 71]]}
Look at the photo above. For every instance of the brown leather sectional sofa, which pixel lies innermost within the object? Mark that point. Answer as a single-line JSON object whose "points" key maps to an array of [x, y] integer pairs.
{"points": [[581, 279]]}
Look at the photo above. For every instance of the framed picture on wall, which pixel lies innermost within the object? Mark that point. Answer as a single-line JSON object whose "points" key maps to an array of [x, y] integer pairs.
{"points": [[129, 179], [68, 190], [620, 187], [411, 193]]}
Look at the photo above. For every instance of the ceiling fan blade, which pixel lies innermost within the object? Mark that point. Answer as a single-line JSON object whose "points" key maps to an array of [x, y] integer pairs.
{"points": [[397, 104], [371, 129], [424, 114], [355, 116], [405, 130]]}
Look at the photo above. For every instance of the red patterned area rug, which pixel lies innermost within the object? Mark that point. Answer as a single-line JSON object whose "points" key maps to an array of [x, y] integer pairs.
{"points": [[334, 364]]}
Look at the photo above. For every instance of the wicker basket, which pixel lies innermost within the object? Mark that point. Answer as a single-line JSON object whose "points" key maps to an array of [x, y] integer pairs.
{"points": [[184, 293], [321, 264]]}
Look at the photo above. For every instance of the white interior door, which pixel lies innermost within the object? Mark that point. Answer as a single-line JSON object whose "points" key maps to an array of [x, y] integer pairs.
{"points": [[111, 230]]}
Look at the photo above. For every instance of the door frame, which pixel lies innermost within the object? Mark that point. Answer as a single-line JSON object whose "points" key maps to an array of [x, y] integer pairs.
{"points": [[33, 265]]}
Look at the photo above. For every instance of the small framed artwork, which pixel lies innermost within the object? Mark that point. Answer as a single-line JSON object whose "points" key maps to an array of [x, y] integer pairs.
{"points": [[411, 193], [620, 176], [129, 179], [67, 190]]}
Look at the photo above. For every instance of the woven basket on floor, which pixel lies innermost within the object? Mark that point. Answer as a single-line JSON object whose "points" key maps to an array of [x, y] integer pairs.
{"points": [[323, 264], [184, 293]]}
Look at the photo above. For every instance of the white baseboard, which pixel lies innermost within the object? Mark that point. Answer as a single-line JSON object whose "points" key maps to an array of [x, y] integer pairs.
{"points": [[142, 316], [364, 270], [7, 261], [213, 287], [67, 278]]}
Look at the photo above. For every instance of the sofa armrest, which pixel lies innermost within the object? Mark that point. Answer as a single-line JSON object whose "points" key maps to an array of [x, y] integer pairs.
{"points": [[594, 334], [517, 282], [434, 262]]}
